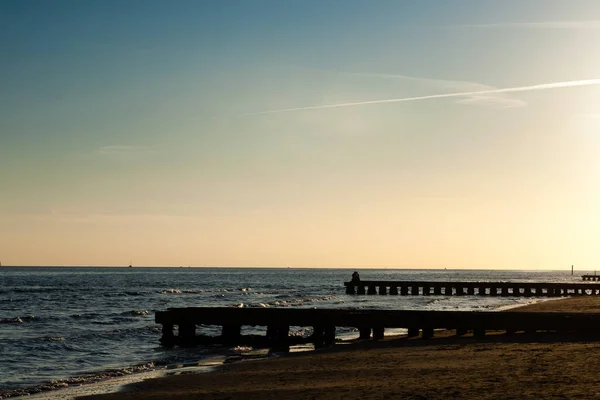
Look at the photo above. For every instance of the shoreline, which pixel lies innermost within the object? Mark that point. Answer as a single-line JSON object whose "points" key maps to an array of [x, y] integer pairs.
{"points": [[519, 366], [121, 386]]}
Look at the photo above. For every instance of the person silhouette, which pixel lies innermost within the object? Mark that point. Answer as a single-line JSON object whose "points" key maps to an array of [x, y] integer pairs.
{"points": [[355, 277]]}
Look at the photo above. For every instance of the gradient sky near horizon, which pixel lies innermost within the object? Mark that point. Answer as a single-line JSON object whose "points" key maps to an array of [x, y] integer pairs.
{"points": [[191, 133]]}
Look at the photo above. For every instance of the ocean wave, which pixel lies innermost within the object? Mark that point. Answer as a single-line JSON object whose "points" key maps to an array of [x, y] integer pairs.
{"points": [[37, 289], [16, 320], [79, 380], [53, 339], [242, 348], [138, 293], [85, 316], [170, 291], [301, 332], [437, 301], [136, 313], [194, 291], [11, 300], [288, 303]]}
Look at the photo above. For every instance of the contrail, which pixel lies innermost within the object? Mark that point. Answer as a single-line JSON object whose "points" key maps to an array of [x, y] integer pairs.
{"points": [[543, 86]]}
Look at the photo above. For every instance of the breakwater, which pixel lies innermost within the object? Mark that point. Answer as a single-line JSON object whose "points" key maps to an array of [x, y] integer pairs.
{"points": [[506, 289], [370, 323], [590, 277]]}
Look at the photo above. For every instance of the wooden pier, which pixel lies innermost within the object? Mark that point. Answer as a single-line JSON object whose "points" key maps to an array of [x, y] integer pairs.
{"points": [[506, 289], [370, 323], [590, 277]]}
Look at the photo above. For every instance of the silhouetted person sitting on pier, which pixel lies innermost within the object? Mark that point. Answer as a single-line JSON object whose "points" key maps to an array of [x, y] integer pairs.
{"points": [[355, 277]]}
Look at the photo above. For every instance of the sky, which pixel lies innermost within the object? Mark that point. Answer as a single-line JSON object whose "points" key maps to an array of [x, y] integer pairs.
{"points": [[341, 133]]}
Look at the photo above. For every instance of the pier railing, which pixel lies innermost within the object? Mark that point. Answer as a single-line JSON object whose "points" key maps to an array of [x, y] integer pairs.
{"points": [[520, 289], [368, 322]]}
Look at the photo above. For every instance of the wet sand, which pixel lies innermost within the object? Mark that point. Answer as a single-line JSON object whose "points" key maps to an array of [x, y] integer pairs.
{"points": [[521, 366]]}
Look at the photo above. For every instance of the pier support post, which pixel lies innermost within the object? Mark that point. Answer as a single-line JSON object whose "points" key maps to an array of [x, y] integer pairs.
{"points": [[527, 291], [231, 334], [365, 332], [461, 331], [378, 333], [383, 290], [437, 290], [412, 332], [281, 336], [350, 289], [271, 332], [448, 291], [478, 332], [394, 290], [360, 289], [318, 336], [414, 290], [167, 339], [505, 291], [427, 333], [372, 290], [187, 335], [404, 290], [471, 290], [329, 335]]}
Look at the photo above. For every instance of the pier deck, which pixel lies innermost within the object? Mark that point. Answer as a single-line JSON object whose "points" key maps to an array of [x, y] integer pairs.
{"points": [[517, 289], [368, 322]]}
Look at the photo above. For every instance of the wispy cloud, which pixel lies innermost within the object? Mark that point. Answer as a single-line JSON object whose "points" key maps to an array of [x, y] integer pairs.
{"points": [[490, 100], [590, 24], [494, 101], [124, 150], [479, 93]]}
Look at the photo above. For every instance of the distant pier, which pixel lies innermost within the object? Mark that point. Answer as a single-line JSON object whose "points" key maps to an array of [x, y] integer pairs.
{"points": [[369, 323], [590, 277], [505, 289]]}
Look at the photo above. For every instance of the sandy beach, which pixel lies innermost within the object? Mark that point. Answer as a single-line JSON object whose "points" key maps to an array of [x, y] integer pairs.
{"points": [[521, 366]]}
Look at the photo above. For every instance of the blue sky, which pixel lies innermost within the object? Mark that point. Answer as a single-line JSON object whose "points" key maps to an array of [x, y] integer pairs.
{"points": [[136, 131]]}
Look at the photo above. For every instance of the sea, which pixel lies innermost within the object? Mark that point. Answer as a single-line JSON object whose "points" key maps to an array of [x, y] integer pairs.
{"points": [[69, 326]]}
